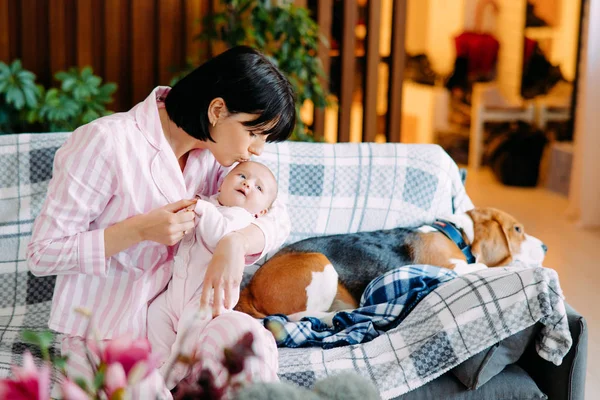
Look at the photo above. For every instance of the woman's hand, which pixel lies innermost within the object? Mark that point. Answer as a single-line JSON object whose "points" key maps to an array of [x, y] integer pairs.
{"points": [[167, 224], [162, 225], [224, 274]]}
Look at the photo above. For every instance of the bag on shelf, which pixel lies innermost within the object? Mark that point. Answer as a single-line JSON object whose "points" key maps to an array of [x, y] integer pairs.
{"points": [[514, 155]]}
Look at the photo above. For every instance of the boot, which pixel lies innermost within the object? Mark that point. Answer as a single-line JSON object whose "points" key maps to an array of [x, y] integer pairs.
{"points": [[532, 20], [418, 69]]}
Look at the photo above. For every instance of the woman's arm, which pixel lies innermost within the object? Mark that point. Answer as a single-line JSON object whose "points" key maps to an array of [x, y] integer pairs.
{"points": [[82, 184], [163, 225]]}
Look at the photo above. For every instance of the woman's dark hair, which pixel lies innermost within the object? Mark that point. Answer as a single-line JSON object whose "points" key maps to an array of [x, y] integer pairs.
{"points": [[247, 81]]}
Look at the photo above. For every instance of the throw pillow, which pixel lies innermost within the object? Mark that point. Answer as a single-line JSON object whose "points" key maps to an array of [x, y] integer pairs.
{"points": [[482, 367]]}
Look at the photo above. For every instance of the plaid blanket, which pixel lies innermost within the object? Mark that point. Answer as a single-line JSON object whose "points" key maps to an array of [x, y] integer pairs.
{"points": [[454, 322], [387, 300]]}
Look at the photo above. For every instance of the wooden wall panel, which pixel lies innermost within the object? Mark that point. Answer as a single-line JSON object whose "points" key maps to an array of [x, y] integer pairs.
{"points": [[58, 43], [116, 57], [394, 113], [62, 34], [171, 40], [4, 31], [348, 69], [138, 44], [90, 35], [85, 33], [34, 38], [370, 100], [194, 11], [324, 17], [143, 64]]}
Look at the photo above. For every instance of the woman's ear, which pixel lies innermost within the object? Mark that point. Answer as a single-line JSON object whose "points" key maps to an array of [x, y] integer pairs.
{"points": [[216, 109]]}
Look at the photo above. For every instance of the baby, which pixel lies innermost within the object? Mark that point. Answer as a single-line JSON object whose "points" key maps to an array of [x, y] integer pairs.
{"points": [[247, 192]]}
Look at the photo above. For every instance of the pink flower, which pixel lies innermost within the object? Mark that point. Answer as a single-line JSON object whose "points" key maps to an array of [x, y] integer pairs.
{"points": [[134, 355], [114, 379], [28, 383], [71, 391]]}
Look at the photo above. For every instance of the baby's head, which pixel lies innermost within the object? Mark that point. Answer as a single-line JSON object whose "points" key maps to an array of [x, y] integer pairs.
{"points": [[249, 185]]}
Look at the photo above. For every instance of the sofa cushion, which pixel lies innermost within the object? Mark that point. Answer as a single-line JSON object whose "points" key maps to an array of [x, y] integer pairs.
{"points": [[512, 383], [483, 366]]}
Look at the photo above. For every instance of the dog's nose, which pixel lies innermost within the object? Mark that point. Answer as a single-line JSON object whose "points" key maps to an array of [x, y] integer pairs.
{"points": [[545, 248]]}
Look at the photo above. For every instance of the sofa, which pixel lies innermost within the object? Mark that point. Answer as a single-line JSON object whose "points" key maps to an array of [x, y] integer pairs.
{"points": [[342, 188]]}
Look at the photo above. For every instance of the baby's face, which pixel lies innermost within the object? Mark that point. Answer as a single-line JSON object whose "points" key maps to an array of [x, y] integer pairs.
{"points": [[249, 185]]}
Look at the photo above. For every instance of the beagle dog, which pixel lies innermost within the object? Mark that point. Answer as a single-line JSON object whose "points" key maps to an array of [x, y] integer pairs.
{"points": [[322, 275]]}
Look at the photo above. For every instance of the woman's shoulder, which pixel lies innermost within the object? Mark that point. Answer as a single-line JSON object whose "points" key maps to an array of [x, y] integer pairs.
{"points": [[117, 122], [108, 130]]}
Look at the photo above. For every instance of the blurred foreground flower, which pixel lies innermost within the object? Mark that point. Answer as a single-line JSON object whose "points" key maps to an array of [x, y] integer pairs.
{"points": [[71, 391], [29, 382], [117, 365], [205, 387], [133, 355]]}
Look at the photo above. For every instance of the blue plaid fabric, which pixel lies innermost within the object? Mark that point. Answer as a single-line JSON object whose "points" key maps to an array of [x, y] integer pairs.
{"points": [[387, 300]]}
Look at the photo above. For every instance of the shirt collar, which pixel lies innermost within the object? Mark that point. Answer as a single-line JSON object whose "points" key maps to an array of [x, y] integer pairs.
{"points": [[148, 119]]}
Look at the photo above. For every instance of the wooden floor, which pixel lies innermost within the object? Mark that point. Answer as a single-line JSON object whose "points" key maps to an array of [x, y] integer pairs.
{"points": [[572, 252]]}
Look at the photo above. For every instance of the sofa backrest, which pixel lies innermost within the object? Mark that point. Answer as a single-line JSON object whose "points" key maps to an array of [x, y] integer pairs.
{"points": [[341, 188], [329, 189], [350, 187]]}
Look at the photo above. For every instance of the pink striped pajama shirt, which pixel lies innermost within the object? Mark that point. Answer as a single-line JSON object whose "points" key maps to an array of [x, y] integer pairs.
{"points": [[107, 171]]}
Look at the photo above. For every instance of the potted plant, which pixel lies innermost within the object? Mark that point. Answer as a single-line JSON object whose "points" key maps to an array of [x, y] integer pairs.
{"points": [[27, 107], [19, 97]]}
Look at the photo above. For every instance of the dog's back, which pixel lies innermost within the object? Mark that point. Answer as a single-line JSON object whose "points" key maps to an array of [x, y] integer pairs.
{"points": [[359, 257]]}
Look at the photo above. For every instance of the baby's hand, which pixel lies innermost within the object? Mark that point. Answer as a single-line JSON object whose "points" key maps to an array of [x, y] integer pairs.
{"points": [[200, 206], [190, 208]]}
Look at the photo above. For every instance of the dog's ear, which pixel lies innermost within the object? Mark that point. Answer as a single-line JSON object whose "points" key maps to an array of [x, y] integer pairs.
{"points": [[490, 243]]}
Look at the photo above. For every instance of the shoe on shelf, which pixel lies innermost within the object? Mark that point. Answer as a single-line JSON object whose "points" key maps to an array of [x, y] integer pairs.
{"points": [[418, 69], [532, 20]]}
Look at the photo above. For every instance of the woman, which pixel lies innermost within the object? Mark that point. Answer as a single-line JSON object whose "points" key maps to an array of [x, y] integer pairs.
{"points": [[116, 206]]}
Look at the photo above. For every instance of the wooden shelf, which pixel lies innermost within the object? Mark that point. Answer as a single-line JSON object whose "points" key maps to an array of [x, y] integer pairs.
{"points": [[540, 33]]}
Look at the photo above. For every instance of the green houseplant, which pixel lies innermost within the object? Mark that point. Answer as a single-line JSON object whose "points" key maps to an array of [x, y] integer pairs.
{"points": [[27, 107], [19, 97], [285, 33], [81, 98]]}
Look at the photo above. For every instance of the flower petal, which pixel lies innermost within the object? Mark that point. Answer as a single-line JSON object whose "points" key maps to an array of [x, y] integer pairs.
{"points": [[115, 378], [28, 370], [71, 391]]}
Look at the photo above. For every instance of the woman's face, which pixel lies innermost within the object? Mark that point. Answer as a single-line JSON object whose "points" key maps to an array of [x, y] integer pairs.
{"points": [[235, 142]]}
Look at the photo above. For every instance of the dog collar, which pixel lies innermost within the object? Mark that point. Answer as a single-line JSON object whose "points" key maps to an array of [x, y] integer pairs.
{"points": [[454, 233]]}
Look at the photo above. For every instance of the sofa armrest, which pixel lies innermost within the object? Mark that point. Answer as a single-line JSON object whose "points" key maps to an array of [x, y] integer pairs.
{"points": [[566, 381]]}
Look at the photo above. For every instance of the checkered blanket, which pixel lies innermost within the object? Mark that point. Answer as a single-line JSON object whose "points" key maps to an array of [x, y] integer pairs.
{"points": [[329, 189], [454, 322], [387, 300]]}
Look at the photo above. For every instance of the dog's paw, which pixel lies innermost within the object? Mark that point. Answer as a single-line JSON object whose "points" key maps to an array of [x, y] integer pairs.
{"points": [[325, 317], [477, 266], [462, 268]]}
